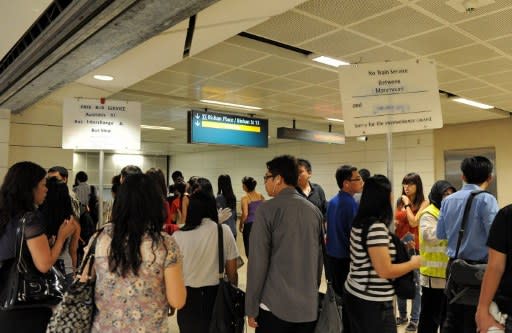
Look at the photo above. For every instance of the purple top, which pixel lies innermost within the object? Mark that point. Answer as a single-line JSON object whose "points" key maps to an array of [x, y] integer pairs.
{"points": [[253, 205]]}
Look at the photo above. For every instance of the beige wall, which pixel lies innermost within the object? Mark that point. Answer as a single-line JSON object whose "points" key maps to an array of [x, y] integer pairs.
{"points": [[35, 135], [493, 133], [5, 116]]}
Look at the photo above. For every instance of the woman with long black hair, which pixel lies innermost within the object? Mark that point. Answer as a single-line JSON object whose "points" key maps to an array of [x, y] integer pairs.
{"points": [[23, 190], [227, 199], [55, 209], [138, 266], [198, 240], [368, 296]]}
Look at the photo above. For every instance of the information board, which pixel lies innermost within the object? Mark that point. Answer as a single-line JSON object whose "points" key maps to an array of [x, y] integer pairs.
{"points": [[90, 124], [387, 97], [227, 129]]}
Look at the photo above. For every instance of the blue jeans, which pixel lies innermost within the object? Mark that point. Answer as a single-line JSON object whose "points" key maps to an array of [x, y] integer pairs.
{"points": [[416, 302]]}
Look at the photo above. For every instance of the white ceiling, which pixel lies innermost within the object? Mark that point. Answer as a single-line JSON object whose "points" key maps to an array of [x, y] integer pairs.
{"points": [[473, 53]]}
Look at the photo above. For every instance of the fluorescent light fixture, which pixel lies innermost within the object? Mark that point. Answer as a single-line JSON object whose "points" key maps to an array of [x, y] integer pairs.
{"points": [[162, 128], [336, 120], [103, 77], [472, 103], [330, 61], [241, 106]]}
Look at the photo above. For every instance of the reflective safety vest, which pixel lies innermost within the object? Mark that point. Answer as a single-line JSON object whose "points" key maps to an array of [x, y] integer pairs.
{"points": [[433, 253]]}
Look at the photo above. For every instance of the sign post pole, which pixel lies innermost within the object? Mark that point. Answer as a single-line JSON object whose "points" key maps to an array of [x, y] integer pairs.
{"points": [[100, 196]]}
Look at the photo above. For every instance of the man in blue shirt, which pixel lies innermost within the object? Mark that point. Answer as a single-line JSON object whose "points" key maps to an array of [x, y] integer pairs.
{"points": [[341, 210], [477, 175]]}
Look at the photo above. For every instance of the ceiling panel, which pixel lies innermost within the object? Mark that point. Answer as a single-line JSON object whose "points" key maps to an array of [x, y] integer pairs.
{"points": [[446, 12], [197, 67], [347, 12], [504, 44], [435, 41], [495, 65], [447, 75], [397, 24], [281, 84], [490, 26], [379, 54], [225, 53], [464, 55], [339, 43], [315, 75], [291, 28], [275, 66]]}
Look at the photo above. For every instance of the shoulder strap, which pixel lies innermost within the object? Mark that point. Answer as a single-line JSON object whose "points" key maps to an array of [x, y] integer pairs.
{"points": [[465, 218], [88, 260], [327, 269], [221, 251]]}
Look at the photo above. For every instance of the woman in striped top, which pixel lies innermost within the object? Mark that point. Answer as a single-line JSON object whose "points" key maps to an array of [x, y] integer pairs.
{"points": [[368, 290]]}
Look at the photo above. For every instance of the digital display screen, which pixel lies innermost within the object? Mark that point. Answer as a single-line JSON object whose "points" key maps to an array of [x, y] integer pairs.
{"points": [[227, 129]]}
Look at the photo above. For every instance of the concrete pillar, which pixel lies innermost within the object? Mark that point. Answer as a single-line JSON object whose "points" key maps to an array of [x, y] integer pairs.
{"points": [[5, 116]]}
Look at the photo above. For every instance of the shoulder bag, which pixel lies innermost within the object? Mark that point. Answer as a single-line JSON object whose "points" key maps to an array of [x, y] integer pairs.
{"points": [[76, 311], [25, 286], [405, 285], [229, 307], [329, 312], [464, 276]]}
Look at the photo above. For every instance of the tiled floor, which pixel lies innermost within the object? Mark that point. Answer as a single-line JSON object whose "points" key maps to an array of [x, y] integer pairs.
{"points": [[242, 278]]}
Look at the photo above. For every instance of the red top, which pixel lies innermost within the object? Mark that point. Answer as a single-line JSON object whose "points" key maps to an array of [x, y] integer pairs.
{"points": [[403, 226], [169, 225]]}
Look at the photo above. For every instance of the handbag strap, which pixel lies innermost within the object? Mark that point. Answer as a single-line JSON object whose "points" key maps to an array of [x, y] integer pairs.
{"points": [[327, 267], [88, 260], [221, 251], [465, 218], [20, 238]]}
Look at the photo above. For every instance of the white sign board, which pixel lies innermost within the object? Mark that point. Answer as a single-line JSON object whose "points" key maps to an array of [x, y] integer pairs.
{"points": [[89, 124], [387, 97]]}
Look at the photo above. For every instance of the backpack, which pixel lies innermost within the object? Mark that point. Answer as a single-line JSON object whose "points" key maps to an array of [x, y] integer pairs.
{"points": [[405, 285]]}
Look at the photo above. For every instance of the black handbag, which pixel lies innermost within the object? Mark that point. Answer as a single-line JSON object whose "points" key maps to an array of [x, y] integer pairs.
{"points": [[329, 305], [26, 286], [229, 307], [76, 311], [405, 285], [464, 276]]}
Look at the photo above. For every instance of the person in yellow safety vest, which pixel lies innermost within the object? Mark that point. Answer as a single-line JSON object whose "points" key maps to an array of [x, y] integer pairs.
{"points": [[433, 261]]}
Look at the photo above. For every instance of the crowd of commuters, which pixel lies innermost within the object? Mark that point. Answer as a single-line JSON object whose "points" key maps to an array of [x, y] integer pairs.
{"points": [[157, 248]]}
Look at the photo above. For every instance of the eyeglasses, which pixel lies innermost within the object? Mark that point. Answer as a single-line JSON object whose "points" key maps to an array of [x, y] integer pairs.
{"points": [[266, 177], [356, 179]]}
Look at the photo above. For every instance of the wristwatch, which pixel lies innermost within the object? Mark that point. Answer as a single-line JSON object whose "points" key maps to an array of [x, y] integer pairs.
{"points": [[408, 205]]}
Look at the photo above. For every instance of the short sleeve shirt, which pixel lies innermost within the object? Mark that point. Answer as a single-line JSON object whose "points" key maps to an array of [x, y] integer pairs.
{"points": [[500, 239], [34, 227], [135, 303]]}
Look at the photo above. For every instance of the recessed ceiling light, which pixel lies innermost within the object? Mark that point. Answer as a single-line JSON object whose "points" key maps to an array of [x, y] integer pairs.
{"points": [[241, 106], [162, 128], [472, 103], [336, 120], [103, 77], [330, 61]]}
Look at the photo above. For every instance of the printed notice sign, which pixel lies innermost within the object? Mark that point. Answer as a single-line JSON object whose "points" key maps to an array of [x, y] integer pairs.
{"points": [[387, 97], [89, 124]]}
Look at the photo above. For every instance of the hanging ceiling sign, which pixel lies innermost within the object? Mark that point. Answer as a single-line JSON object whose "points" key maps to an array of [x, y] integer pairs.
{"points": [[91, 124], [388, 97]]}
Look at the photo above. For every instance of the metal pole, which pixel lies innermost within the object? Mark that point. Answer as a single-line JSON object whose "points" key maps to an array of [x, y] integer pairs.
{"points": [[100, 190]]}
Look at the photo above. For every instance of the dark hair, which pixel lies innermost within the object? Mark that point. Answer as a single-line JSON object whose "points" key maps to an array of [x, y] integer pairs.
{"points": [[476, 169], [304, 163], [414, 179], [365, 174], [56, 206], [192, 184], [159, 178], [116, 182], [436, 193], [286, 166], [176, 175], [250, 183], [343, 173], [63, 172], [17, 191], [226, 189], [130, 170], [81, 177], [202, 204], [138, 210], [375, 204]]}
